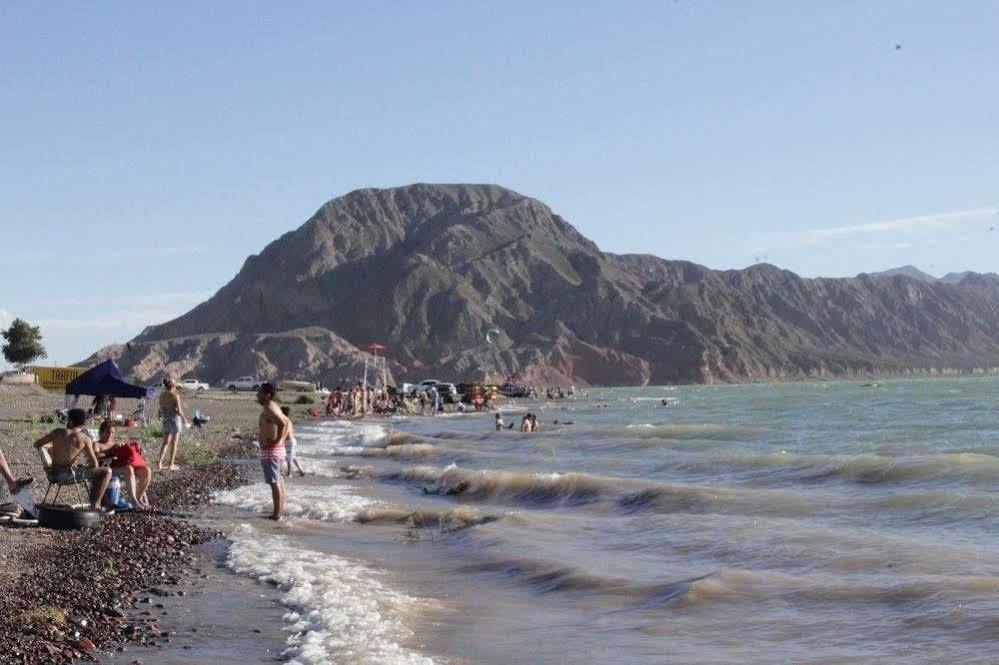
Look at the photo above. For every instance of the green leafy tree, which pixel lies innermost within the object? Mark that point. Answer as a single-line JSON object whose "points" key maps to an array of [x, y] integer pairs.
{"points": [[24, 343]]}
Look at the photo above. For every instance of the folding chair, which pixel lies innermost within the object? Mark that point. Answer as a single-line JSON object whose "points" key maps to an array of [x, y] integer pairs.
{"points": [[59, 484]]}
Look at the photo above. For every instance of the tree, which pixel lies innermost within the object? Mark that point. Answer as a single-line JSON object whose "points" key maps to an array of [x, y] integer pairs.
{"points": [[24, 343]]}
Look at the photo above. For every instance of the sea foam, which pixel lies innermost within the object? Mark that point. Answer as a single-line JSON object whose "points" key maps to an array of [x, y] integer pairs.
{"points": [[340, 611], [329, 503]]}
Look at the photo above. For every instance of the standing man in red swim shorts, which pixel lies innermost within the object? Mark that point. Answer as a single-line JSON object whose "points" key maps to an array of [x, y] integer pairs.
{"points": [[272, 431]]}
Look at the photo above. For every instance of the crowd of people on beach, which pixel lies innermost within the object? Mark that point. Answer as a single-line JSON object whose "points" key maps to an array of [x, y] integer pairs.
{"points": [[76, 456], [559, 392], [362, 400]]}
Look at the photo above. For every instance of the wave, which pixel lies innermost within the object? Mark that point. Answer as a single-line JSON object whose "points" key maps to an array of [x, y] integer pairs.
{"points": [[644, 432], [739, 584], [327, 503], [576, 489], [736, 585], [328, 433], [512, 486], [547, 577], [448, 521], [866, 469], [634, 496], [871, 469], [409, 451], [340, 610]]}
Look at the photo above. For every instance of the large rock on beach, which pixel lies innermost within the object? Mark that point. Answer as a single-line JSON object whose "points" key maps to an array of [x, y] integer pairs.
{"points": [[477, 282]]}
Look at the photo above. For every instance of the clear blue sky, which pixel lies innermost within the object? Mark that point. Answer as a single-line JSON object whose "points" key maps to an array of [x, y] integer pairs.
{"points": [[148, 148]]}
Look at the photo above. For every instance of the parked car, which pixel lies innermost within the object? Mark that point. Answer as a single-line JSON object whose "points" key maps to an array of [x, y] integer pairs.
{"points": [[448, 392], [413, 389], [242, 383], [192, 385], [510, 389]]}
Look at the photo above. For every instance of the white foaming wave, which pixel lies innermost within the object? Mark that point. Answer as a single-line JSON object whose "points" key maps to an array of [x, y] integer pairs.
{"points": [[341, 611], [324, 434], [396, 451], [327, 503]]}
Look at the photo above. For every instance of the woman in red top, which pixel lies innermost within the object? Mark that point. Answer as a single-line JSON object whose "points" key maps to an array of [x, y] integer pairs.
{"points": [[127, 462]]}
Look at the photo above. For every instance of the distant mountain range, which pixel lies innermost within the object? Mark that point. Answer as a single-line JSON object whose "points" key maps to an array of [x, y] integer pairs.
{"points": [[477, 282], [949, 278]]}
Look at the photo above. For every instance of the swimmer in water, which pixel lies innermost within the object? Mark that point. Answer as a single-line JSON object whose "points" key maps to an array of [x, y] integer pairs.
{"points": [[525, 424], [499, 423]]}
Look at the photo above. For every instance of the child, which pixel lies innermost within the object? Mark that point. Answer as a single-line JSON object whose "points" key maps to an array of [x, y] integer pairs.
{"points": [[499, 422], [289, 446]]}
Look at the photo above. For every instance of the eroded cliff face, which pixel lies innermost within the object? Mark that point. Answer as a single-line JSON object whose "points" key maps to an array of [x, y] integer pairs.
{"points": [[476, 282]]}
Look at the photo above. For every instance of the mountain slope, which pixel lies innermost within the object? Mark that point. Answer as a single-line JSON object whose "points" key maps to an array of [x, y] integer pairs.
{"points": [[479, 282]]}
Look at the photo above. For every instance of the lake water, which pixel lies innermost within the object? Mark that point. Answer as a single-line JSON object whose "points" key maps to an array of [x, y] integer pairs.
{"points": [[806, 523]]}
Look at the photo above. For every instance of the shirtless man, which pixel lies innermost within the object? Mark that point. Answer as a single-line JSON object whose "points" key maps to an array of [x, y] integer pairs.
{"points": [[526, 424], [499, 422], [64, 445], [273, 428]]}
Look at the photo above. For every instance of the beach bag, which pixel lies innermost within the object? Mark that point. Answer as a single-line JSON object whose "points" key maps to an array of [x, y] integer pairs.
{"points": [[128, 454]]}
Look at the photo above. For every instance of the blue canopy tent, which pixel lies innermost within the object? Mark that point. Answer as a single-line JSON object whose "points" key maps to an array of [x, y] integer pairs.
{"points": [[105, 379]]}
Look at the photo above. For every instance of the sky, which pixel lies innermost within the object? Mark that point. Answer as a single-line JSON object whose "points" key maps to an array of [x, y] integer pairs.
{"points": [[146, 149]]}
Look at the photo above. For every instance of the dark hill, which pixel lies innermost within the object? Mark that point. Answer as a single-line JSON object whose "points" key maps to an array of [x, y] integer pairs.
{"points": [[430, 270]]}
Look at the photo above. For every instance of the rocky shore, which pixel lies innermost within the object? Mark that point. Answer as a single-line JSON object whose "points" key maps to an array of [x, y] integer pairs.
{"points": [[72, 595]]}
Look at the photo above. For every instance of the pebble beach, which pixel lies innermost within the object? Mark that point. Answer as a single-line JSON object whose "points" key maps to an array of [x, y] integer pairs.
{"points": [[67, 596]]}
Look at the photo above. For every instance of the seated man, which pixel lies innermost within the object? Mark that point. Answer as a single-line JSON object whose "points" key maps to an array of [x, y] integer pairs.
{"points": [[64, 445], [15, 485]]}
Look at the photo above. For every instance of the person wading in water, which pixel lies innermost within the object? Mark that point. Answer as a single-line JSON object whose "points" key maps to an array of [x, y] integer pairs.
{"points": [[272, 431]]}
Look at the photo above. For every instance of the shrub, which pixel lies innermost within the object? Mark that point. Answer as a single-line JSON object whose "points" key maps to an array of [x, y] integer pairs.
{"points": [[305, 399]]}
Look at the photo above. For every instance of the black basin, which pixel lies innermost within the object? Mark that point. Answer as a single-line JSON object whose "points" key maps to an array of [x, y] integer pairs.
{"points": [[67, 517]]}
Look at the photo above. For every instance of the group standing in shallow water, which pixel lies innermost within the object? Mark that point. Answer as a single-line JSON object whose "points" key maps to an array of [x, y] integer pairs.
{"points": [[529, 423]]}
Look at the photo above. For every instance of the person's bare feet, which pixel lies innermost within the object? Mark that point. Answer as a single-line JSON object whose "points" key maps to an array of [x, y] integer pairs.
{"points": [[175, 467], [276, 518], [301, 473]]}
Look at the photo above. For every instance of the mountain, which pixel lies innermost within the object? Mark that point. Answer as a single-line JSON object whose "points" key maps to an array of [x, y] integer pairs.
{"points": [[477, 282], [908, 271], [989, 278]]}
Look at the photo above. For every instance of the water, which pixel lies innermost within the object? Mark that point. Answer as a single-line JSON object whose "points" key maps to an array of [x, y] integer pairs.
{"points": [[807, 523]]}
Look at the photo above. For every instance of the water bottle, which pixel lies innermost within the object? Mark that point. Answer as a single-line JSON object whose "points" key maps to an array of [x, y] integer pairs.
{"points": [[113, 493]]}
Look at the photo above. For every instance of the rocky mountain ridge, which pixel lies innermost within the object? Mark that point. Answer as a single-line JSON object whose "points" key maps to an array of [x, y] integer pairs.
{"points": [[950, 278], [477, 282]]}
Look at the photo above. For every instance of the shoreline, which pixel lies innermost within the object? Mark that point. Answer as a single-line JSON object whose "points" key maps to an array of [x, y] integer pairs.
{"points": [[67, 596], [64, 614]]}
